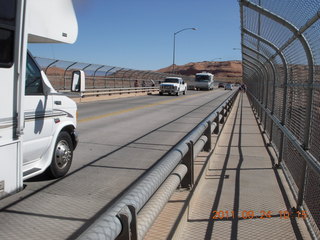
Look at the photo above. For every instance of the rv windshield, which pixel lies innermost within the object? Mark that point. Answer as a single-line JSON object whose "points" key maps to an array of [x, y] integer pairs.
{"points": [[171, 80], [202, 78]]}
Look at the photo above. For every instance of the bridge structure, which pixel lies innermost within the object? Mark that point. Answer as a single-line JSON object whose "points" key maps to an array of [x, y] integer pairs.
{"points": [[234, 164]]}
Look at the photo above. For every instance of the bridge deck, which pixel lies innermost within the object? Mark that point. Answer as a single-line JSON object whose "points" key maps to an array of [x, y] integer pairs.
{"points": [[241, 195]]}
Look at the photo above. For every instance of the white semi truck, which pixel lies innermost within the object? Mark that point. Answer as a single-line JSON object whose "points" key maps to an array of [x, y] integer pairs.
{"points": [[37, 124]]}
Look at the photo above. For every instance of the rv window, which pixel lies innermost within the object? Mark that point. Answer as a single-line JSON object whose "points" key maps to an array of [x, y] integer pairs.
{"points": [[33, 78], [7, 27]]}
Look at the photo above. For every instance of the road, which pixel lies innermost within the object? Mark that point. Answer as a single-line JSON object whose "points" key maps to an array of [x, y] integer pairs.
{"points": [[120, 140]]}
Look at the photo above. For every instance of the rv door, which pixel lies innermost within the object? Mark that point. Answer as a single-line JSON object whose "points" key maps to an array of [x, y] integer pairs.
{"points": [[38, 115]]}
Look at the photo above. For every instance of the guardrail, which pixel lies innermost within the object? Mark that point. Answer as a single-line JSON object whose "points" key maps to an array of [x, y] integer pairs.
{"points": [[134, 212], [111, 91]]}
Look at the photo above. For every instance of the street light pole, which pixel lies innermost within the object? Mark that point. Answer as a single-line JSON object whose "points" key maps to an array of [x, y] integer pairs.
{"points": [[174, 45]]}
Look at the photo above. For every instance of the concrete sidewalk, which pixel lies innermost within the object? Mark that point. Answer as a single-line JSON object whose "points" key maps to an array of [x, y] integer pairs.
{"points": [[241, 196]]}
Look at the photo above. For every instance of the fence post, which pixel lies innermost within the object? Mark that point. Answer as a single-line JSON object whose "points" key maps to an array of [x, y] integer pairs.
{"points": [[64, 75], [216, 120], [207, 133], [106, 74], [129, 228], [262, 90], [94, 75], [188, 160]]}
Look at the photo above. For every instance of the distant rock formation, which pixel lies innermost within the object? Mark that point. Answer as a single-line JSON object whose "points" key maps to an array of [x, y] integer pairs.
{"points": [[225, 71]]}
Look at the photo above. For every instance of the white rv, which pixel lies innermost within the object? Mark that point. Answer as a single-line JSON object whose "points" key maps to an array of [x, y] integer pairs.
{"points": [[204, 80], [37, 124]]}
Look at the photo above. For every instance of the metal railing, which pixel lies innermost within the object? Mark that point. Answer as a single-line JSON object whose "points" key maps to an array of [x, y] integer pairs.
{"points": [[98, 76], [281, 66], [134, 212], [109, 91]]}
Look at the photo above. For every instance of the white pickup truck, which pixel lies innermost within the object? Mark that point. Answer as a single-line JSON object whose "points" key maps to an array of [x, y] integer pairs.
{"points": [[173, 85]]}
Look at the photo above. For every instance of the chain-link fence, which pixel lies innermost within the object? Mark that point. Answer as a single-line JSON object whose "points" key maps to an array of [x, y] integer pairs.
{"points": [[281, 65], [98, 76]]}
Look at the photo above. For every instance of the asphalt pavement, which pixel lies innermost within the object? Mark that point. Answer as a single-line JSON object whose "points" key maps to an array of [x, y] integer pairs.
{"points": [[120, 139]]}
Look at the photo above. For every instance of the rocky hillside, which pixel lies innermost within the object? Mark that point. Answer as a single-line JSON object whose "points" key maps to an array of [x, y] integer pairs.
{"points": [[226, 70]]}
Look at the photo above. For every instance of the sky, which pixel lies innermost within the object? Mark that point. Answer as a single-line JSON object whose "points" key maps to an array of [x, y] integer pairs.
{"points": [[138, 34]]}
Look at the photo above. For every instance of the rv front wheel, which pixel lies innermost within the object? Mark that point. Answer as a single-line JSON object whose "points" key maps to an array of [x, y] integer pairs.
{"points": [[62, 155]]}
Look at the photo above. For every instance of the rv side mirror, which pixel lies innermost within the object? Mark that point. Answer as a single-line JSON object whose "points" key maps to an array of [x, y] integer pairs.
{"points": [[78, 81]]}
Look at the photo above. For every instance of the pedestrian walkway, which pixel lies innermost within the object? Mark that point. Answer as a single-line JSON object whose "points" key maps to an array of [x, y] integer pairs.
{"points": [[239, 196]]}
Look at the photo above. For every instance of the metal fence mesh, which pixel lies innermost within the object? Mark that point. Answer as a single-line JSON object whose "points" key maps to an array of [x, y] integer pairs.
{"points": [[59, 73], [312, 194], [281, 68]]}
